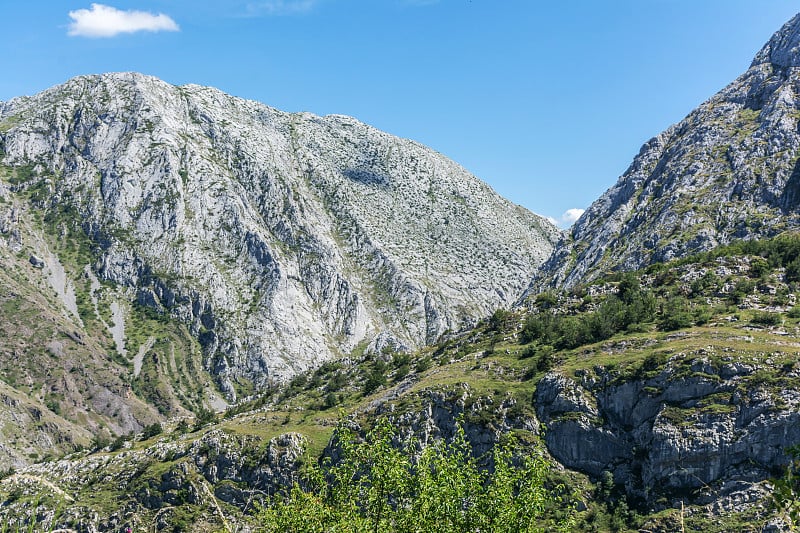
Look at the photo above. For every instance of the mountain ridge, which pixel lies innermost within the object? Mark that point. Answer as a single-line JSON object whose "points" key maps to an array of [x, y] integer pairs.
{"points": [[727, 171], [153, 237], [340, 235]]}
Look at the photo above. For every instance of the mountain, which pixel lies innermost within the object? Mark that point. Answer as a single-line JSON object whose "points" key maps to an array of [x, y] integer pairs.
{"points": [[728, 171], [671, 410], [279, 240], [156, 238]]}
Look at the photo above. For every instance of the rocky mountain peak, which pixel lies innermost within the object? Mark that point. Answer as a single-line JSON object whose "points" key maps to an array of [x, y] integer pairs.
{"points": [[281, 240], [729, 170], [783, 49]]}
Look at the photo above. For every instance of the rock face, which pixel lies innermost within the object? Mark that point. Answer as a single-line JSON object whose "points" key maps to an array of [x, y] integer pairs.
{"points": [[201, 475], [727, 171], [282, 240], [705, 427]]}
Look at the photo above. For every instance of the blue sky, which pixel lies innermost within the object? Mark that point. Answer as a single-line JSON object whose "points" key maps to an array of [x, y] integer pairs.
{"points": [[546, 101]]}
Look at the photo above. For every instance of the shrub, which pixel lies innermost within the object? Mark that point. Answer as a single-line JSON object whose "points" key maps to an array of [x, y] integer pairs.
{"points": [[544, 358], [423, 364], [338, 381], [151, 431], [741, 290], [528, 352], [331, 400], [759, 267], [375, 380], [377, 486], [793, 270], [100, 441], [117, 443], [402, 372], [500, 320], [786, 495], [546, 300], [765, 318], [204, 416], [675, 314]]}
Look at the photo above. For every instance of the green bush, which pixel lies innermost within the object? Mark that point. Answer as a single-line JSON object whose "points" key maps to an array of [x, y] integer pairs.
{"points": [[423, 364], [675, 314], [759, 267], [401, 372], [765, 318], [375, 380], [100, 441], [151, 431], [786, 495], [331, 400], [204, 416], [528, 352], [546, 300], [117, 443], [500, 320], [742, 289], [793, 270], [544, 358], [709, 282], [378, 486]]}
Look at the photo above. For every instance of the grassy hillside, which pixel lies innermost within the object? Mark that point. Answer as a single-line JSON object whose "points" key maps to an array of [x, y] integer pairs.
{"points": [[671, 328]]}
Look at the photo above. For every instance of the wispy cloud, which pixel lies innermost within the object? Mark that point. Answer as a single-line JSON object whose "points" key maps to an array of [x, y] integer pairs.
{"points": [[568, 218], [107, 21], [280, 7]]}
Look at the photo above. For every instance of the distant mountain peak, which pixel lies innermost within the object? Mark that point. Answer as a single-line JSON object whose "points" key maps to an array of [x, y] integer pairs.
{"points": [[729, 170], [783, 49]]}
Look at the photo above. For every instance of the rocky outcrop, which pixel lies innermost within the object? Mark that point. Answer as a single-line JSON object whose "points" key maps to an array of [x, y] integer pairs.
{"points": [[711, 429], [282, 239], [441, 411], [729, 170], [200, 476]]}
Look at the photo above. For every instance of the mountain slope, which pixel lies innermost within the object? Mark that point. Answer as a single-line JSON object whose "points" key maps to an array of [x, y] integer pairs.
{"points": [[673, 404], [281, 240], [728, 171]]}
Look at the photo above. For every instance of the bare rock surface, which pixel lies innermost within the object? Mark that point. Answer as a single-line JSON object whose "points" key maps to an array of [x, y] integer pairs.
{"points": [[283, 240], [728, 171]]}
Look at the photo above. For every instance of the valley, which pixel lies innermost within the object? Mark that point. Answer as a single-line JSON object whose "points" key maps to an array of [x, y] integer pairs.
{"points": [[219, 316]]}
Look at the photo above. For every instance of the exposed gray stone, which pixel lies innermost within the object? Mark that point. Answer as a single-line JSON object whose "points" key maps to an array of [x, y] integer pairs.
{"points": [[654, 436], [729, 170], [282, 239]]}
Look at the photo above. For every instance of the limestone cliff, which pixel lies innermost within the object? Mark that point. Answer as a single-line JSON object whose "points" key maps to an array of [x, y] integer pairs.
{"points": [[282, 240], [729, 170]]}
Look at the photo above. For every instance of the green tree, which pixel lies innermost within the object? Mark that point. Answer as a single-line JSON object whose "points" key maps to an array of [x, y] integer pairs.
{"points": [[379, 486], [786, 496], [793, 270], [629, 288], [151, 431], [500, 320], [546, 300], [539, 327], [675, 314], [375, 380]]}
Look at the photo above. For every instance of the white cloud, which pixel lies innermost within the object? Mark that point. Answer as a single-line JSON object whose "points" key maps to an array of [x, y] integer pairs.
{"points": [[280, 7], [571, 215], [107, 21], [567, 219]]}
